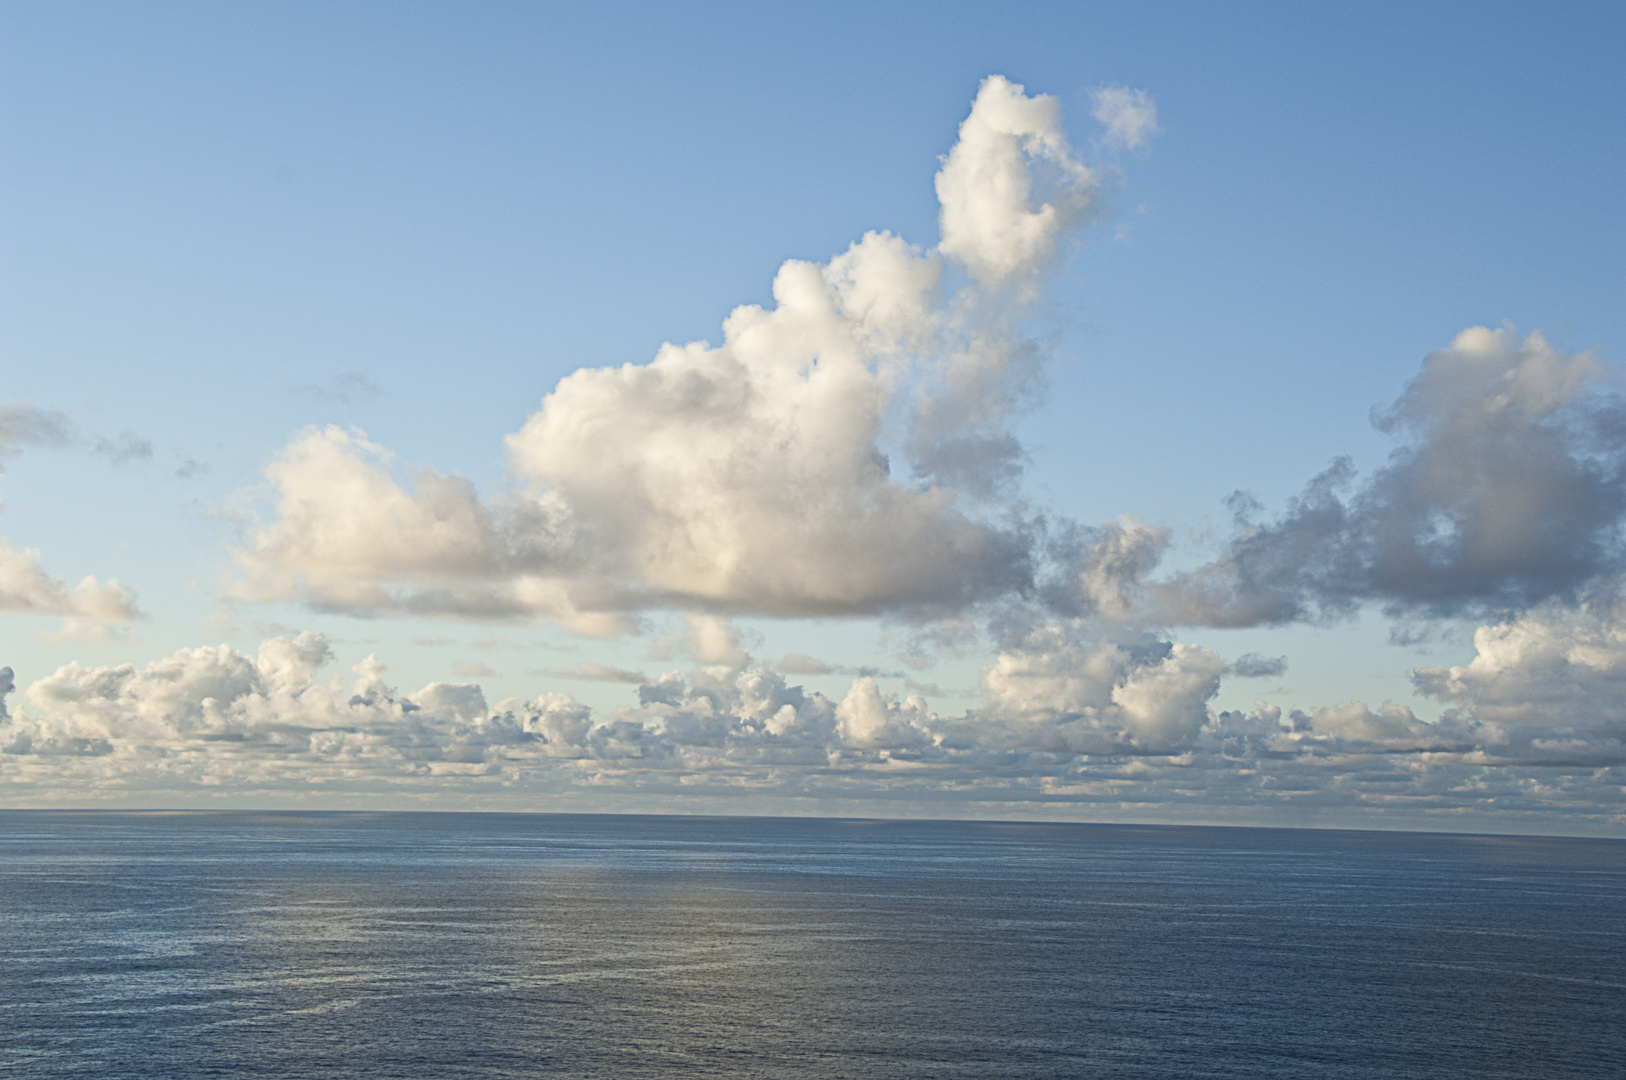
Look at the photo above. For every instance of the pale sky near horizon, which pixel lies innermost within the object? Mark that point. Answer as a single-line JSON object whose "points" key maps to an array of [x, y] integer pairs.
{"points": [[314, 320]]}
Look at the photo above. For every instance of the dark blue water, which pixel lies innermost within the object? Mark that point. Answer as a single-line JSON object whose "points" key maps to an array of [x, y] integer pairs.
{"points": [[464, 945]]}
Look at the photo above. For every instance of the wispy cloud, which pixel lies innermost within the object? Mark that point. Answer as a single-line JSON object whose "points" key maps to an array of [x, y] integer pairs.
{"points": [[592, 672], [1130, 116], [124, 448], [23, 424], [346, 388], [802, 664]]}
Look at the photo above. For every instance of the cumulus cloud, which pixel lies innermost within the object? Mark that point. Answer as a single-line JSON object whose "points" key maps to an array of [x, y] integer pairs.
{"points": [[754, 476], [1002, 217], [849, 450], [712, 639], [1545, 689], [1069, 687], [213, 714], [224, 712], [1547, 684], [1388, 729], [1508, 488], [25, 588], [867, 721], [1104, 569], [351, 535], [1070, 715], [1130, 116]]}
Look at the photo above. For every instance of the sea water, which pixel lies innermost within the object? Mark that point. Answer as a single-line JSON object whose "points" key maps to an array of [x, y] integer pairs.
{"points": [[183, 945]]}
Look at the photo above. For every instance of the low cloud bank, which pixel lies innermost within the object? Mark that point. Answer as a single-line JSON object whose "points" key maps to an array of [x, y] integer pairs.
{"points": [[1068, 717]]}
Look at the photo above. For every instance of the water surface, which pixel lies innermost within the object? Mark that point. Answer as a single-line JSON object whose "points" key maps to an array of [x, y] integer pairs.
{"points": [[475, 945]]}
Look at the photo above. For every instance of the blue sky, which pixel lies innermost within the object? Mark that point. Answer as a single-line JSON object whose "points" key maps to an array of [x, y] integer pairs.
{"points": [[222, 226]]}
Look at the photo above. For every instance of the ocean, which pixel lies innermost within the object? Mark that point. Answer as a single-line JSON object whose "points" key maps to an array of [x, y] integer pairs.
{"points": [[182, 945]]}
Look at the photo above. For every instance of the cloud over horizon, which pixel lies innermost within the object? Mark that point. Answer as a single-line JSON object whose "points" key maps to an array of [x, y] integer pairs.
{"points": [[1067, 718], [851, 451]]}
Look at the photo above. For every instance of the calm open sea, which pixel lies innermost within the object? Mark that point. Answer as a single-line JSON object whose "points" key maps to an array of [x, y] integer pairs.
{"points": [[475, 945]]}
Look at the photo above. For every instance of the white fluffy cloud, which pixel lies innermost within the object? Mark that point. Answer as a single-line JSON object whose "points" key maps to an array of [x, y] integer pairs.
{"points": [[1070, 716], [1545, 689], [845, 451], [1002, 217], [1546, 685], [867, 721], [1067, 687], [347, 531], [751, 476], [211, 714], [26, 588]]}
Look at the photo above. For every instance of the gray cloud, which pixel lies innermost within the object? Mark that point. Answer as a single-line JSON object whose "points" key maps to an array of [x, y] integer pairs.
{"points": [[801, 664], [1546, 685], [1102, 570], [346, 388], [1509, 488], [1255, 666], [127, 447], [22, 424]]}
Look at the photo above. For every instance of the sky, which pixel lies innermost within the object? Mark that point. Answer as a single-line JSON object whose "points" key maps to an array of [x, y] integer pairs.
{"points": [[1184, 413]]}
